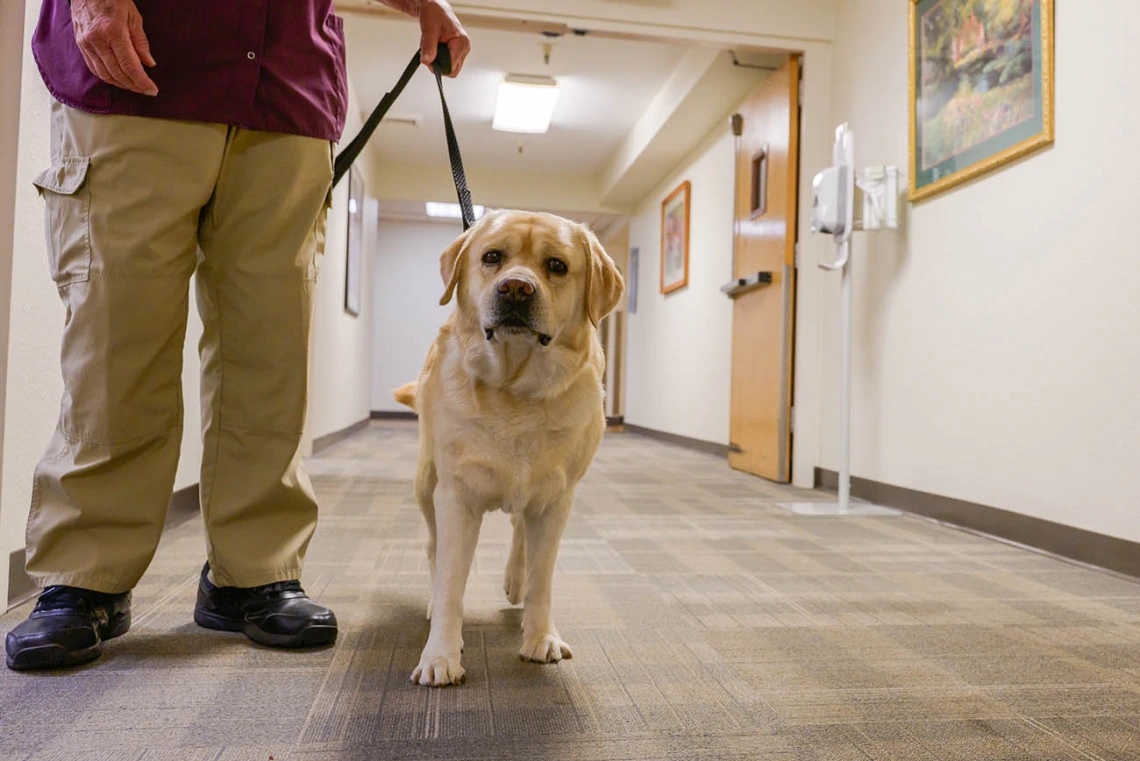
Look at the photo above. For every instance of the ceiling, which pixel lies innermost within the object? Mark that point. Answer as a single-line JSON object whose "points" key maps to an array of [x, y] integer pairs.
{"points": [[605, 86], [630, 111]]}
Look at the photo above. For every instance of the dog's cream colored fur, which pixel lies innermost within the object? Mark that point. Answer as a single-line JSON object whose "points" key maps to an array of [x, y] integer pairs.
{"points": [[508, 423]]}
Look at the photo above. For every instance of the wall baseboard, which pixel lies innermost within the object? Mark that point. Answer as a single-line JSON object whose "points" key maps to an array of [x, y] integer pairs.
{"points": [[20, 585], [184, 506], [394, 415], [326, 441], [708, 447], [1107, 552]]}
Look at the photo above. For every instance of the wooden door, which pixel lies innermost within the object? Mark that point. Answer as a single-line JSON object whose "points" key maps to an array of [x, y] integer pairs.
{"points": [[767, 171]]}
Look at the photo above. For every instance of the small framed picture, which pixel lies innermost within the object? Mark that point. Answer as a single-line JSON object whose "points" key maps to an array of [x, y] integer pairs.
{"points": [[675, 239], [981, 88], [353, 275]]}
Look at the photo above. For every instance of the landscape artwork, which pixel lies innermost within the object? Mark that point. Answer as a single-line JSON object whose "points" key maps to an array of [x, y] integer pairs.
{"points": [[981, 81]]}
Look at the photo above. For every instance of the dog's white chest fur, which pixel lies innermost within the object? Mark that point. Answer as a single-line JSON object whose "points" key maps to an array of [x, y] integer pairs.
{"points": [[512, 459]]}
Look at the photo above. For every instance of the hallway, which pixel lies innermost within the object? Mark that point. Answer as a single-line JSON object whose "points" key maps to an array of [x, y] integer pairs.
{"points": [[705, 622]]}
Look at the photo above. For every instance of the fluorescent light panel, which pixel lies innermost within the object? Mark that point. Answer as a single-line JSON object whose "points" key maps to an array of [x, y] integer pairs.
{"points": [[448, 210], [525, 104]]}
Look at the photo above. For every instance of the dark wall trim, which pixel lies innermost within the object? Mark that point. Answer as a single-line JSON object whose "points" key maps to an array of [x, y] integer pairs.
{"points": [[708, 447], [20, 585], [184, 505], [394, 415], [326, 441], [1103, 551]]}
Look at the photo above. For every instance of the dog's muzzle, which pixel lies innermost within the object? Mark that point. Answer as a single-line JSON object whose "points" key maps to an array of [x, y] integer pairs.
{"points": [[513, 308]]}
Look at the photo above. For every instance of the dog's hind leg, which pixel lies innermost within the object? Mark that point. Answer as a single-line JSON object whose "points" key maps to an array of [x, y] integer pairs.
{"points": [[514, 577]]}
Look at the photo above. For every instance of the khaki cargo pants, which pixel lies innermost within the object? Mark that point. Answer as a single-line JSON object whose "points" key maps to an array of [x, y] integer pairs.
{"points": [[134, 207]]}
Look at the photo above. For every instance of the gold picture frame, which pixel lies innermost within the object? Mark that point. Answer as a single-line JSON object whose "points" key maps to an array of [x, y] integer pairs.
{"points": [[675, 239], [988, 121]]}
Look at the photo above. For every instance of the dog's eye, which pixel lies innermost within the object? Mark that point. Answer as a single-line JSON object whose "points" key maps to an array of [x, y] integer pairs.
{"points": [[557, 266], [491, 258]]}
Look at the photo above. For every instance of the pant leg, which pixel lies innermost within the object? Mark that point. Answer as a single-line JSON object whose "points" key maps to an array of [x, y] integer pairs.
{"points": [[123, 198], [260, 238]]}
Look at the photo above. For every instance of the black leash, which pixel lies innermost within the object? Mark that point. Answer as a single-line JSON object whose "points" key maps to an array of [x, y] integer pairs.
{"points": [[441, 66]]}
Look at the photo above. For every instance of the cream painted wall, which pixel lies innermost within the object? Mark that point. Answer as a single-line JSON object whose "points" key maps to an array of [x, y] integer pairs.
{"points": [[339, 378], [407, 312], [995, 349], [679, 351], [33, 385], [11, 66]]}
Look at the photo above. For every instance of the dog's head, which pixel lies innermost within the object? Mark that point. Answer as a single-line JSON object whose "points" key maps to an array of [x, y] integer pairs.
{"points": [[523, 276]]}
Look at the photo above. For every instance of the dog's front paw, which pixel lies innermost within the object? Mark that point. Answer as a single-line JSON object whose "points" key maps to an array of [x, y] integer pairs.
{"points": [[438, 669], [546, 647]]}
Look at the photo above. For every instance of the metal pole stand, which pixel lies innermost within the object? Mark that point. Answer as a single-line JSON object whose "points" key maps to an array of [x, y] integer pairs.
{"points": [[845, 161]]}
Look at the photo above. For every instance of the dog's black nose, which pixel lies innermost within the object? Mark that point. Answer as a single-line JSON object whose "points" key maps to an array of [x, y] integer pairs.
{"points": [[515, 289]]}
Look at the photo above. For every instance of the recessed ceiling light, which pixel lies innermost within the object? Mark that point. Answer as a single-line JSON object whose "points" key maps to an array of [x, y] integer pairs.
{"points": [[525, 104], [448, 210]]}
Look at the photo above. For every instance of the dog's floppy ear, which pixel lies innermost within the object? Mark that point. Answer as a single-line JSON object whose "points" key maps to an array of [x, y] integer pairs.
{"points": [[604, 284], [451, 264]]}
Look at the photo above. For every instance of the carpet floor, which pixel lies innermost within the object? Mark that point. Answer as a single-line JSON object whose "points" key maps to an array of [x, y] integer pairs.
{"points": [[706, 622]]}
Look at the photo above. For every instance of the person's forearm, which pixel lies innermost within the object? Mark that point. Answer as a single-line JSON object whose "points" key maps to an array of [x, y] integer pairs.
{"points": [[410, 7]]}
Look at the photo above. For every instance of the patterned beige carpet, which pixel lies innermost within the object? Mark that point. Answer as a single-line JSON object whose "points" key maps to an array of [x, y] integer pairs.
{"points": [[706, 624]]}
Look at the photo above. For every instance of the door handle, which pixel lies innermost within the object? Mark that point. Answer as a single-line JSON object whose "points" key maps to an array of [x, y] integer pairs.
{"points": [[740, 285]]}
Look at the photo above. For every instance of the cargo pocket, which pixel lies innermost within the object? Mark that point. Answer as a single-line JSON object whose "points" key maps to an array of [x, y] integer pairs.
{"points": [[67, 221]]}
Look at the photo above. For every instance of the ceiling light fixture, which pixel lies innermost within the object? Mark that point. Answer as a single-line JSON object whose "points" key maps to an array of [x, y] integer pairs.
{"points": [[448, 210], [525, 104]]}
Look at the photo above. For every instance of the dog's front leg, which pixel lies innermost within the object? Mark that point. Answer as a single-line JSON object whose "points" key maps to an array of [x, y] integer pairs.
{"points": [[457, 533], [543, 532]]}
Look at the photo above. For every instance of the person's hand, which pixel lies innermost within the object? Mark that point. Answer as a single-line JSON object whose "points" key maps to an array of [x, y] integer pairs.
{"points": [[438, 24], [110, 36]]}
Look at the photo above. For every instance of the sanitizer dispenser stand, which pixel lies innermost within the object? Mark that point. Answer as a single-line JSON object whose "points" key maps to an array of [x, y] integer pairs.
{"points": [[833, 213]]}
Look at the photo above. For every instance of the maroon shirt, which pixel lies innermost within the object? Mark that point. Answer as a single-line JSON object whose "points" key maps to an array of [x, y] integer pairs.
{"points": [[271, 65]]}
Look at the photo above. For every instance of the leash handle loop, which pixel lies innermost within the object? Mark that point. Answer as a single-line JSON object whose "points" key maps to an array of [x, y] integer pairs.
{"points": [[440, 66]]}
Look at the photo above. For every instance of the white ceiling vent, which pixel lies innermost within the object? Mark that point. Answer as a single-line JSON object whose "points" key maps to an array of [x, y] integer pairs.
{"points": [[407, 120]]}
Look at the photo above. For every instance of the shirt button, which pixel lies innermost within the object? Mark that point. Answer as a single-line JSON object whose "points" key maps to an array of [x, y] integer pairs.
{"points": [[251, 55]]}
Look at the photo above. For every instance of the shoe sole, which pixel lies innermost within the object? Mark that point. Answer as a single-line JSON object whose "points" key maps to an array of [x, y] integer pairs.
{"points": [[59, 657], [317, 635]]}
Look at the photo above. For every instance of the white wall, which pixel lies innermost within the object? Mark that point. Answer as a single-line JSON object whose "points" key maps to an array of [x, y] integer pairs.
{"points": [[679, 350], [339, 377], [995, 349], [11, 65], [407, 310]]}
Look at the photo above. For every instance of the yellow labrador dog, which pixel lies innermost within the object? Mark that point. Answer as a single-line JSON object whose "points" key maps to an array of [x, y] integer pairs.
{"points": [[511, 413]]}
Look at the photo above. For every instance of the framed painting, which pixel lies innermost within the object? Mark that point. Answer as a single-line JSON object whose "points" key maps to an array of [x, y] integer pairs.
{"points": [[355, 249], [981, 88], [675, 239]]}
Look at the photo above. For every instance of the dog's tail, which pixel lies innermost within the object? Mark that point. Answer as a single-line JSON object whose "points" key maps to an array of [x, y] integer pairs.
{"points": [[406, 395]]}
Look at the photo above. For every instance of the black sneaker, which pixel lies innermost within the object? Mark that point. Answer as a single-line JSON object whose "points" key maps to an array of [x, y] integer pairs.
{"points": [[67, 628], [274, 615]]}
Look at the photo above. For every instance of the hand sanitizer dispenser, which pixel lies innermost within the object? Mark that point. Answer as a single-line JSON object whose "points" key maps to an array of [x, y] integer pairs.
{"points": [[831, 198]]}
